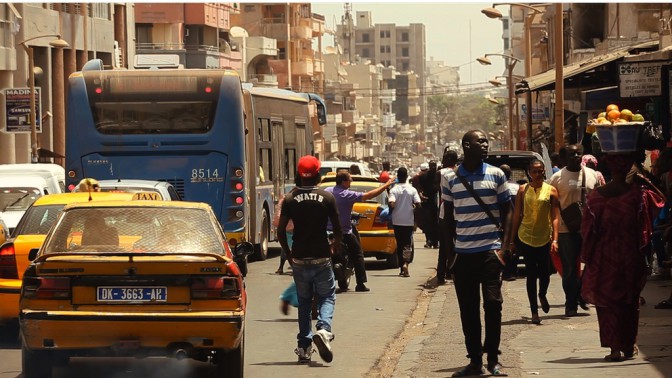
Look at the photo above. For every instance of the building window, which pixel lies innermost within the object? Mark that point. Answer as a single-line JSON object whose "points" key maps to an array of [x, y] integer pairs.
{"points": [[99, 10], [384, 49], [384, 34], [404, 52], [404, 67], [249, 8], [281, 53], [404, 37], [365, 37], [365, 53]]}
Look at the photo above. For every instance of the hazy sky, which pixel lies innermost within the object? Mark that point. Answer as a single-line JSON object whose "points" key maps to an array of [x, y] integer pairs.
{"points": [[456, 33]]}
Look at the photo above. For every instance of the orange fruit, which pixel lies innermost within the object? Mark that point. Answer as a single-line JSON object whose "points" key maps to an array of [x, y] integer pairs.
{"points": [[621, 120], [601, 120], [613, 114], [611, 107], [603, 114]]}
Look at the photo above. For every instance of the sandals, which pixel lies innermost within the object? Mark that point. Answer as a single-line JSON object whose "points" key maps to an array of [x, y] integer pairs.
{"points": [[632, 353], [613, 357], [469, 371], [664, 305]]}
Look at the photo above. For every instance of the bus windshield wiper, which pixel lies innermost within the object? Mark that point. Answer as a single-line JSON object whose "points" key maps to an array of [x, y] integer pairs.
{"points": [[15, 202]]}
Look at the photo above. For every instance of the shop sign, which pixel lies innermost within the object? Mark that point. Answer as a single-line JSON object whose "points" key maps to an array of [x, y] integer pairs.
{"points": [[17, 110], [640, 79]]}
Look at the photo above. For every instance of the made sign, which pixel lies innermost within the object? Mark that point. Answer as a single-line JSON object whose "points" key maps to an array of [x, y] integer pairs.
{"points": [[640, 79], [17, 110]]}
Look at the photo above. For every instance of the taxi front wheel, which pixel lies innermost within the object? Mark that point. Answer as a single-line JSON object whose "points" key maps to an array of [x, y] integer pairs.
{"points": [[36, 363]]}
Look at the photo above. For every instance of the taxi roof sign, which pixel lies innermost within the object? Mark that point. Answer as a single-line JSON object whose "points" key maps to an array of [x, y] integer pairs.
{"points": [[147, 196]]}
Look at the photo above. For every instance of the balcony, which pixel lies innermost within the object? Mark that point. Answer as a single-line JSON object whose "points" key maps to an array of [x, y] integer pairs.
{"points": [[301, 31], [318, 66], [304, 68], [389, 120], [263, 80], [261, 46], [388, 95], [318, 24], [350, 116], [275, 28]]}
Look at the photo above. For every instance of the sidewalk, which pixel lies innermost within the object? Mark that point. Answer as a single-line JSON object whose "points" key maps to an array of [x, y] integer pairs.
{"points": [[559, 347]]}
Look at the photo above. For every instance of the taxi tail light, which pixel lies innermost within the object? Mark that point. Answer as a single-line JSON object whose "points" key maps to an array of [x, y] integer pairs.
{"points": [[377, 220], [215, 288], [47, 288], [8, 262]]}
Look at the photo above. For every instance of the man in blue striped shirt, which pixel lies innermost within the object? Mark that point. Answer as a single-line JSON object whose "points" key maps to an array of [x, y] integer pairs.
{"points": [[477, 244]]}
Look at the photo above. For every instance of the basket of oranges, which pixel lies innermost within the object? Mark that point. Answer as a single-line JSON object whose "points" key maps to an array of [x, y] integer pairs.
{"points": [[617, 130]]}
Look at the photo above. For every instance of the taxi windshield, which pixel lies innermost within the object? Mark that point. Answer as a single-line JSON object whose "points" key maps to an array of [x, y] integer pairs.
{"points": [[38, 220], [18, 199], [165, 230]]}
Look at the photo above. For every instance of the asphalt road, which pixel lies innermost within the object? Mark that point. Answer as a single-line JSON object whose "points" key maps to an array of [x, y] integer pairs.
{"points": [[364, 324]]}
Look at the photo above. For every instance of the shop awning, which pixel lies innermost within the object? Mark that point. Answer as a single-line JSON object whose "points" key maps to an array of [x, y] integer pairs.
{"points": [[546, 80]]}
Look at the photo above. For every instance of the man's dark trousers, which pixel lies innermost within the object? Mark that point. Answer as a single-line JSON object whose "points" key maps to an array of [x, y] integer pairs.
{"points": [[569, 248], [473, 272], [356, 256], [443, 265]]}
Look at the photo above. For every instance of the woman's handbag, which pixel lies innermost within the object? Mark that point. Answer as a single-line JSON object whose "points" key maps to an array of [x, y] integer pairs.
{"points": [[573, 213]]}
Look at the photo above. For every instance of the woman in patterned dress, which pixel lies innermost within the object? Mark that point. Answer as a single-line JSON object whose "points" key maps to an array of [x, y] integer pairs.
{"points": [[616, 229]]}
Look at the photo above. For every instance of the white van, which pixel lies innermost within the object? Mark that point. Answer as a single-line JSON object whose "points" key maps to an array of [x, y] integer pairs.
{"points": [[335, 166], [16, 196], [53, 174]]}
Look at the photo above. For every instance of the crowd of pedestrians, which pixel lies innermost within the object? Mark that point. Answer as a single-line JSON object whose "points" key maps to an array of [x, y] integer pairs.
{"points": [[479, 218]]}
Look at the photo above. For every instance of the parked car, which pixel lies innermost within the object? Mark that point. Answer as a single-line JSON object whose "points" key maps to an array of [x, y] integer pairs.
{"points": [[335, 166], [30, 234], [519, 161], [137, 278], [376, 234], [165, 189], [16, 196]]}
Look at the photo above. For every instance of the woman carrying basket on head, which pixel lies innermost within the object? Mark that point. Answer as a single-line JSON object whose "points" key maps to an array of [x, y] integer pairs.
{"points": [[535, 231]]}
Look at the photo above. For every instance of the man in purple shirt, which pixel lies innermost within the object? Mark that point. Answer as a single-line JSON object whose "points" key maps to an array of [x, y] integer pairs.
{"points": [[345, 199]]}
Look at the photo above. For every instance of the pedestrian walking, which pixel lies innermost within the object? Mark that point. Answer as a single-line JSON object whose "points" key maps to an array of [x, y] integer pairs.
{"points": [[385, 173], [311, 208], [428, 190], [590, 161], [476, 202], [616, 231], [573, 184], [511, 269], [290, 226], [535, 231], [345, 199], [448, 162], [403, 199]]}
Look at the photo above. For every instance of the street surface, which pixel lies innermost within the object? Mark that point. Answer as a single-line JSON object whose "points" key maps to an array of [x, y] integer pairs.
{"points": [[406, 327]]}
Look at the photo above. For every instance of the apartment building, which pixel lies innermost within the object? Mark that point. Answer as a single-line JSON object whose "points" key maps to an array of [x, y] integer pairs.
{"points": [[297, 65], [198, 33]]}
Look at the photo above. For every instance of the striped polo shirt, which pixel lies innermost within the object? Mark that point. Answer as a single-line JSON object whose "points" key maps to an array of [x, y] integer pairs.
{"points": [[475, 231]]}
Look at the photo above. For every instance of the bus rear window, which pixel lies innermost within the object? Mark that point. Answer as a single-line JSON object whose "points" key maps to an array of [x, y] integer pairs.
{"points": [[153, 117]]}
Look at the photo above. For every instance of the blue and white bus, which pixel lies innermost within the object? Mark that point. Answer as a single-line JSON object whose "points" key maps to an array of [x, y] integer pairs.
{"points": [[215, 142]]}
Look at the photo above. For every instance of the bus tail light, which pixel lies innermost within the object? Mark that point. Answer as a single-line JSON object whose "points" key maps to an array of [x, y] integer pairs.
{"points": [[215, 288], [239, 200], [8, 262], [238, 186], [47, 287]]}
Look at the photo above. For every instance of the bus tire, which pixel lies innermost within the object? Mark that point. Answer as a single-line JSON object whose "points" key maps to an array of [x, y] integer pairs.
{"points": [[261, 249]]}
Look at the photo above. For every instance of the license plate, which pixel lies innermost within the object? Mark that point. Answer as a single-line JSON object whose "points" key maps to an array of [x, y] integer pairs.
{"points": [[131, 294]]}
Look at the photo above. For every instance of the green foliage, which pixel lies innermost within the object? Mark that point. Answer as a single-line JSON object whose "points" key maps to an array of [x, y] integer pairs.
{"points": [[461, 113]]}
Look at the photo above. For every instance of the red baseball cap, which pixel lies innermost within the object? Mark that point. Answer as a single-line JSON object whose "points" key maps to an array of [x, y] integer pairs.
{"points": [[309, 166]]}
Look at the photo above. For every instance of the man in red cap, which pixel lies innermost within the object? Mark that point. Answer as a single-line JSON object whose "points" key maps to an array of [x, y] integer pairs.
{"points": [[310, 208]]}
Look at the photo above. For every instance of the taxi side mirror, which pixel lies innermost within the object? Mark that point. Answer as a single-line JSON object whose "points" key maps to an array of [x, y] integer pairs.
{"points": [[243, 249], [33, 254]]}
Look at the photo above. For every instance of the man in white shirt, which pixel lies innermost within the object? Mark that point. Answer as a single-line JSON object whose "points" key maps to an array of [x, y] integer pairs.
{"points": [[569, 182], [403, 198]]}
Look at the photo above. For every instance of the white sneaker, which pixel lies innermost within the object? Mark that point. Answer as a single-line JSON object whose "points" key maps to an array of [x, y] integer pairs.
{"points": [[304, 354], [321, 339]]}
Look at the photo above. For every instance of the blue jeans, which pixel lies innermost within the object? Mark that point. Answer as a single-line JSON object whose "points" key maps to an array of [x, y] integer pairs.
{"points": [[569, 248], [315, 280]]}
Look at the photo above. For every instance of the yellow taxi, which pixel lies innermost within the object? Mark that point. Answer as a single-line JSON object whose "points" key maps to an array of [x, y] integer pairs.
{"points": [[30, 233], [375, 232], [134, 278]]}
